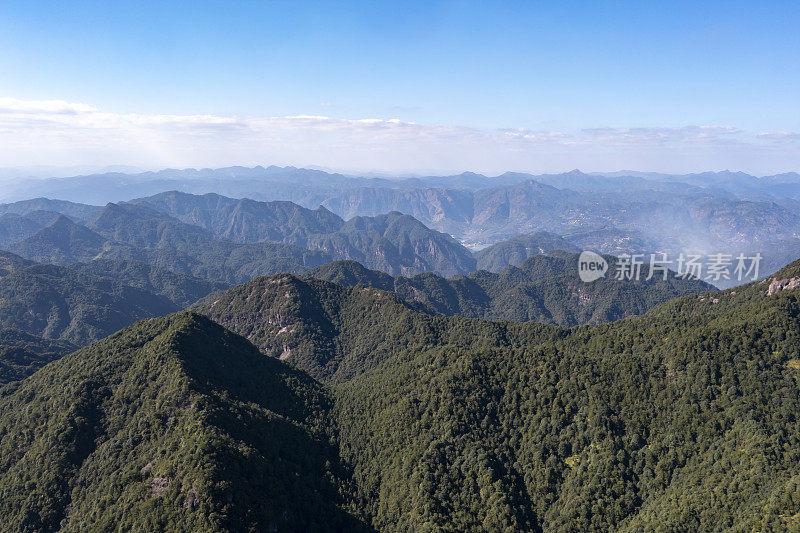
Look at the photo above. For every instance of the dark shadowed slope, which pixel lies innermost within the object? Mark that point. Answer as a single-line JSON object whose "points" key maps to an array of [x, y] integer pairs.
{"points": [[180, 289], [21, 354], [57, 302]]}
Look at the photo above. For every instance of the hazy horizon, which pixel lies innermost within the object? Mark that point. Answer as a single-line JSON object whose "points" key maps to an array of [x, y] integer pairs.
{"points": [[43, 172], [418, 89]]}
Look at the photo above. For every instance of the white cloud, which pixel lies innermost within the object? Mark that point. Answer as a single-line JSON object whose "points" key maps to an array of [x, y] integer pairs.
{"points": [[15, 105], [56, 132], [780, 136], [682, 135]]}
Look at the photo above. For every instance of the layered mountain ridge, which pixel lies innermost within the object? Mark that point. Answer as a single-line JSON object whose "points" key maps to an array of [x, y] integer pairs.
{"points": [[235, 240], [543, 288], [626, 212], [381, 417]]}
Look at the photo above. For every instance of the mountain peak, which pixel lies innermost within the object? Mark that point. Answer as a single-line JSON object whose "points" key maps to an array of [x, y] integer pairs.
{"points": [[202, 392], [575, 172], [63, 242]]}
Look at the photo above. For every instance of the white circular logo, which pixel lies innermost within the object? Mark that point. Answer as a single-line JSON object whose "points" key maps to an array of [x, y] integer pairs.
{"points": [[591, 266]]}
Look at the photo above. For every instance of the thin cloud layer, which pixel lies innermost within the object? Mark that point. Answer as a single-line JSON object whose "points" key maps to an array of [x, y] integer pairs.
{"points": [[57, 132], [664, 136], [780, 136]]}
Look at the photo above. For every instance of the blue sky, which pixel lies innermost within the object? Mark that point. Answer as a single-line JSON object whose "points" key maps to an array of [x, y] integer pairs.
{"points": [[547, 69]]}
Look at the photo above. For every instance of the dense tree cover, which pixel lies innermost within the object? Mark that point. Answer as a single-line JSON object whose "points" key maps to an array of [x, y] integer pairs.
{"points": [[173, 424], [543, 288], [142, 227], [21, 354], [352, 273], [14, 227], [180, 289], [50, 305], [517, 249], [379, 416], [669, 421], [305, 320], [10, 263], [57, 302]]}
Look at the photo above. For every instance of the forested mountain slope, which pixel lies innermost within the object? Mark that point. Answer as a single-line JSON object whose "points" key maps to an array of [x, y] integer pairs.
{"points": [[544, 288], [517, 249], [57, 302], [684, 419], [63, 242], [173, 424], [14, 227], [48, 310], [181, 289], [671, 420], [22, 354]]}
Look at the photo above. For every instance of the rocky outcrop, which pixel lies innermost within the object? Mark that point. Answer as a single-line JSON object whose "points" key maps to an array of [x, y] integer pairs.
{"points": [[778, 285]]}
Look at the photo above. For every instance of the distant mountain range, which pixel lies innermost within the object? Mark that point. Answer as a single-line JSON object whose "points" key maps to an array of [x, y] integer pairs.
{"points": [[239, 239], [309, 187], [623, 212]]}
